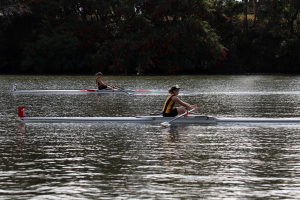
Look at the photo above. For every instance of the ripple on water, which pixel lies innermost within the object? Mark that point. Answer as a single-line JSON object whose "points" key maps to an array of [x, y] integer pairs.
{"points": [[145, 161]]}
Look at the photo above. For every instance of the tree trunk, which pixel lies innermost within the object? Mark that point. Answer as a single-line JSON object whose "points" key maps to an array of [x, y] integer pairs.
{"points": [[246, 16]]}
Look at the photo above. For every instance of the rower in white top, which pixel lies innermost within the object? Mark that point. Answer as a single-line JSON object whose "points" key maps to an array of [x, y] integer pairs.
{"points": [[15, 87]]}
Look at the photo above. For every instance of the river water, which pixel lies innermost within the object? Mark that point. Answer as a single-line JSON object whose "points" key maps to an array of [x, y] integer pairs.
{"points": [[147, 161]]}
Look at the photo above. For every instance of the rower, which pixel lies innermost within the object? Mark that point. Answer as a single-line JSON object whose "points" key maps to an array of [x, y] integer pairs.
{"points": [[168, 110], [100, 84]]}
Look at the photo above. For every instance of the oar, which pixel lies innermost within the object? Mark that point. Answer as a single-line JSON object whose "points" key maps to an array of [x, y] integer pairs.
{"points": [[167, 124], [121, 89]]}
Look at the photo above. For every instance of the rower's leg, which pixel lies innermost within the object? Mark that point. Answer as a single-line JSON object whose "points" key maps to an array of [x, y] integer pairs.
{"points": [[181, 110]]}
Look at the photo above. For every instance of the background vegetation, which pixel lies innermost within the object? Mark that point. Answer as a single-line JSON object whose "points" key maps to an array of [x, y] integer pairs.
{"points": [[149, 36]]}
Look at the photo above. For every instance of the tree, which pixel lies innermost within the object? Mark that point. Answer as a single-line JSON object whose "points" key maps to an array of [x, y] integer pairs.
{"points": [[281, 15], [165, 36], [279, 24], [9, 11], [60, 37]]}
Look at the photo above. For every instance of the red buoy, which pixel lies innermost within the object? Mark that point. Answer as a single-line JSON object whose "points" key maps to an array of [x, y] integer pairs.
{"points": [[21, 111]]}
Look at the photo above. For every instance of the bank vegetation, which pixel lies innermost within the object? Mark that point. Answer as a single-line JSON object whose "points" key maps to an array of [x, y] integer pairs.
{"points": [[149, 36]]}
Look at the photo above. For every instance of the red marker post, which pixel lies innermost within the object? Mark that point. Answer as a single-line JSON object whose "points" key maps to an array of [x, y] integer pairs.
{"points": [[21, 111]]}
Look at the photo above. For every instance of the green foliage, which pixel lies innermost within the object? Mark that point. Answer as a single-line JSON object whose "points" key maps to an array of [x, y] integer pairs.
{"points": [[289, 55], [164, 36], [6, 52], [282, 16], [268, 43], [231, 8], [152, 36], [56, 53], [10, 49], [58, 40]]}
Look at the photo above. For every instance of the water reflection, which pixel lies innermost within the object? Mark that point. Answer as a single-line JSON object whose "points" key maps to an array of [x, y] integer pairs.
{"points": [[21, 139], [171, 134], [127, 161], [150, 160], [21, 129]]}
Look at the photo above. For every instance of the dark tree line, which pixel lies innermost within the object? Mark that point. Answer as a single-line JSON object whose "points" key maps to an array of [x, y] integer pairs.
{"points": [[270, 43], [149, 36]]}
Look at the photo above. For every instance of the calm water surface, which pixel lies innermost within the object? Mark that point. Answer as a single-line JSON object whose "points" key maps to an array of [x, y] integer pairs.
{"points": [[146, 161]]}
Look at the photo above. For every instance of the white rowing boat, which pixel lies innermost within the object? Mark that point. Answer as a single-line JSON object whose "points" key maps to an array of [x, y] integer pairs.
{"points": [[192, 119], [96, 91], [139, 119]]}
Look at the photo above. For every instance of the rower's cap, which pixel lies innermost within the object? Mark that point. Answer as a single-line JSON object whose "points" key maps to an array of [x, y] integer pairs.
{"points": [[174, 87], [99, 73]]}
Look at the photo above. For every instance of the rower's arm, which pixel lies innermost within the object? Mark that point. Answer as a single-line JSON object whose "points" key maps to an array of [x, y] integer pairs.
{"points": [[188, 106]]}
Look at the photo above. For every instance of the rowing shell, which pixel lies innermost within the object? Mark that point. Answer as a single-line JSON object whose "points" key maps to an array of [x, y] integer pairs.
{"points": [[139, 119], [202, 119], [95, 91], [193, 119]]}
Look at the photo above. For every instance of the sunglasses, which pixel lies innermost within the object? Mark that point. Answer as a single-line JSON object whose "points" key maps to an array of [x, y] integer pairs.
{"points": [[177, 90]]}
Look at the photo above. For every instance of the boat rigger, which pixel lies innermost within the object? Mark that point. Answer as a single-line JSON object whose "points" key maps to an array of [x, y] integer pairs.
{"points": [[192, 119]]}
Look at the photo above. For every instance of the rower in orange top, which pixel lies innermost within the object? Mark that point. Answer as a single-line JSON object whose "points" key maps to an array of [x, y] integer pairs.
{"points": [[169, 110], [100, 84]]}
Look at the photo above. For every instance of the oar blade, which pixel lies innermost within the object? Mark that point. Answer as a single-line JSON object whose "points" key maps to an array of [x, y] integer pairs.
{"points": [[165, 124]]}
